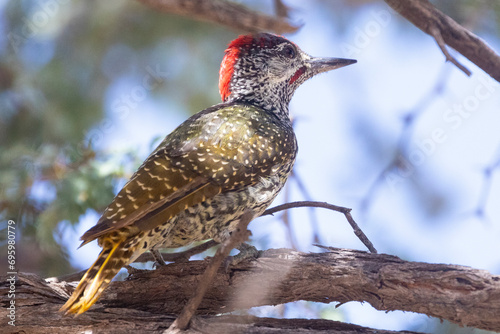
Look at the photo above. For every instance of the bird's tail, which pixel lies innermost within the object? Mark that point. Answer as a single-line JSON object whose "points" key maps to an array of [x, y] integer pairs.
{"points": [[111, 259]]}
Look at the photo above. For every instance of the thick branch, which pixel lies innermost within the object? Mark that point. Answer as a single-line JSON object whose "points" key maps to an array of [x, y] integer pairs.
{"points": [[460, 294], [224, 12], [429, 19]]}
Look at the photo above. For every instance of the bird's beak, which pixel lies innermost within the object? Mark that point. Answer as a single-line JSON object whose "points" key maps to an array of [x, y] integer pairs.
{"points": [[320, 65]]}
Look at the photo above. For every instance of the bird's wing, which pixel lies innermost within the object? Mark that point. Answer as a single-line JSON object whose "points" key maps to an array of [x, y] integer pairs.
{"points": [[214, 151], [154, 194]]}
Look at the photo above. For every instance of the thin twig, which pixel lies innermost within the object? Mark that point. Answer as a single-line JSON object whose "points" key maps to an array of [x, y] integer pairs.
{"points": [[346, 211], [434, 31], [237, 237]]}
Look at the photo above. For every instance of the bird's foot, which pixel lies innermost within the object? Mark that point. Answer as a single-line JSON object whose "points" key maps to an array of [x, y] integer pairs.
{"points": [[158, 259], [247, 252]]}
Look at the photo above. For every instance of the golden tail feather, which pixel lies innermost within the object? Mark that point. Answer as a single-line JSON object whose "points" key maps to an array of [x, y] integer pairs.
{"points": [[109, 262]]}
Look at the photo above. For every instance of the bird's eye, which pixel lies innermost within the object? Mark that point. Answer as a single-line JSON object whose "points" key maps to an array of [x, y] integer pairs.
{"points": [[289, 51]]}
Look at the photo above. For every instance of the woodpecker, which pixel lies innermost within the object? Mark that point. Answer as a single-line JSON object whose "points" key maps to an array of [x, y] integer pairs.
{"points": [[232, 157]]}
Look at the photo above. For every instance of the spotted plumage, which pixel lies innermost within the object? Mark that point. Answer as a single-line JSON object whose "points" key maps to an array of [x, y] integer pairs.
{"points": [[219, 163]]}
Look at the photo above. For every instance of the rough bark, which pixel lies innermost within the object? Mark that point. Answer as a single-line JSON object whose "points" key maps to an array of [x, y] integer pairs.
{"points": [[148, 300], [443, 28]]}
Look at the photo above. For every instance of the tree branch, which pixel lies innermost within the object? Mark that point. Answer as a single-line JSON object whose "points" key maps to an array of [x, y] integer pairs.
{"points": [[432, 21], [226, 13], [459, 294]]}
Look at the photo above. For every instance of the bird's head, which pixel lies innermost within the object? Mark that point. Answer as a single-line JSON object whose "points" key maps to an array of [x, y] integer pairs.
{"points": [[266, 69]]}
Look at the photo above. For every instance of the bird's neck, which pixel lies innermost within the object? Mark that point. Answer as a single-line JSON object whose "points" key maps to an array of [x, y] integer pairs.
{"points": [[270, 98]]}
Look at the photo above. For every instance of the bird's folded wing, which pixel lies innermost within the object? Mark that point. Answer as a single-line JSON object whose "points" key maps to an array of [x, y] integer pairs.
{"points": [[155, 193]]}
